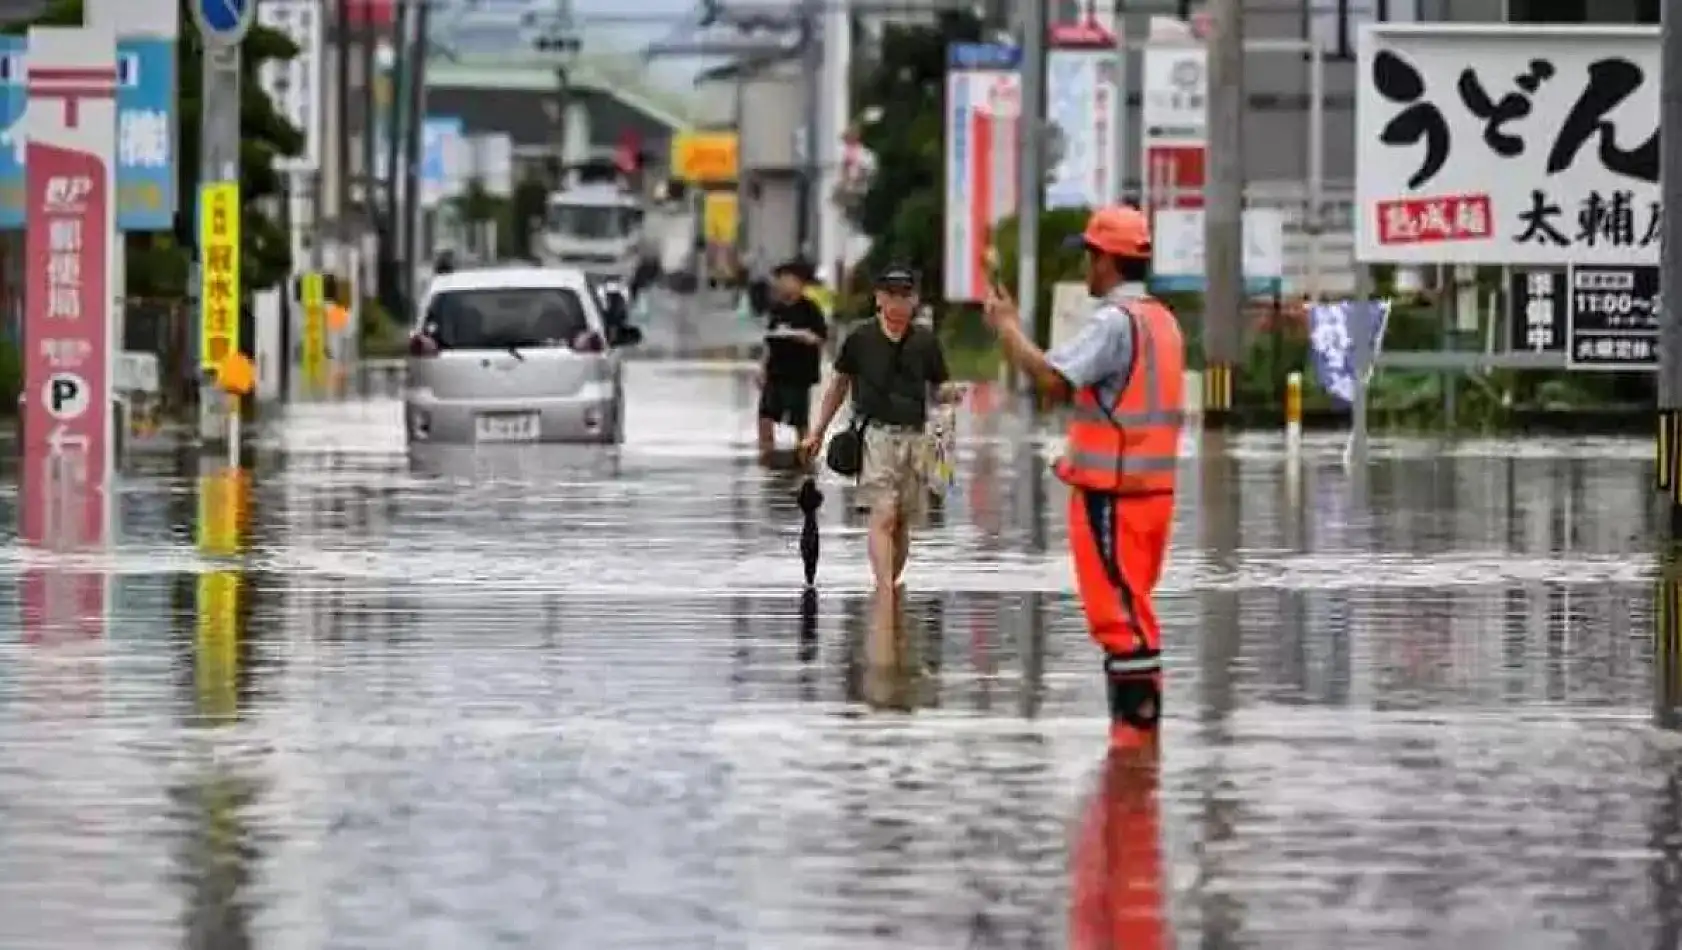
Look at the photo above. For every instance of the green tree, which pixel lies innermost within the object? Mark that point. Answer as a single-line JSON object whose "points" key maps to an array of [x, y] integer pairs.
{"points": [[901, 212], [525, 209], [476, 207], [1056, 262], [158, 262]]}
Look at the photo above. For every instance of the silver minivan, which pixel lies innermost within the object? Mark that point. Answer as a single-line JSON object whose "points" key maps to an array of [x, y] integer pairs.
{"points": [[515, 354]]}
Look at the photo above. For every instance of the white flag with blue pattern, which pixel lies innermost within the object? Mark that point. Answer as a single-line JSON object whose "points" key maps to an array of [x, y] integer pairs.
{"points": [[1333, 338]]}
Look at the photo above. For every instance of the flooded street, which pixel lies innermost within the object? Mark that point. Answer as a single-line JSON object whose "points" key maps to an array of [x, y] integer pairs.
{"points": [[546, 697]]}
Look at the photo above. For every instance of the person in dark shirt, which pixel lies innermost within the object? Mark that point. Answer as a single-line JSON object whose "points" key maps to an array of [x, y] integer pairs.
{"points": [[894, 369], [794, 339]]}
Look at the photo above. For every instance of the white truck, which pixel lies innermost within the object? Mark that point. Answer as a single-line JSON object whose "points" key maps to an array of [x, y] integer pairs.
{"points": [[598, 224]]}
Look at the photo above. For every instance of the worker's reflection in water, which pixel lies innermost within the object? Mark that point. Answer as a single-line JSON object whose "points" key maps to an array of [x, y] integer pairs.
{"points": [[1117, 899]]}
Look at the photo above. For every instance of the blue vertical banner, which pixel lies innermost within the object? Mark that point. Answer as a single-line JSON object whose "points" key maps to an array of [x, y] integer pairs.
{"points": [[146, 146], [146, 139], [14, 96], [438, 135]]}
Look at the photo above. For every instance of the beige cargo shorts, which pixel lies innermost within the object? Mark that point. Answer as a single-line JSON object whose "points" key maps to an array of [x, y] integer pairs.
{"points": [[895, 469]]}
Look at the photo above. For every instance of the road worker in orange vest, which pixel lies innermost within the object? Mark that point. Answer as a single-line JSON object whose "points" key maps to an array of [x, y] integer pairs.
{"points": [[1123, 377]]}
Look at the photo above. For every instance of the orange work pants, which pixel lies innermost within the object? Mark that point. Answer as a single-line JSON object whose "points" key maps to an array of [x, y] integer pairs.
{"points": [[1119, 544]]}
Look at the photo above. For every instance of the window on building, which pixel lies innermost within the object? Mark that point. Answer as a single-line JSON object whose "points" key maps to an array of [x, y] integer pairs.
{"points": [[1583, 11]]}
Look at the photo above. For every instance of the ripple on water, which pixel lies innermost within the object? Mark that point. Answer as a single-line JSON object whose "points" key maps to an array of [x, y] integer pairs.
{"points": [[552, 699]]}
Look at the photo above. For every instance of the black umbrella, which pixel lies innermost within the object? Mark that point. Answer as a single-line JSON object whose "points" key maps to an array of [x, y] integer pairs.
{"points": [[810, 500]]}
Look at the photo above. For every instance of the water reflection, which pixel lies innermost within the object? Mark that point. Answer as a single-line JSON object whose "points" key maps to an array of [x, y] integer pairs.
{"points": [[524, 699], [218, 853], [1667, 645], [1119, 883]]}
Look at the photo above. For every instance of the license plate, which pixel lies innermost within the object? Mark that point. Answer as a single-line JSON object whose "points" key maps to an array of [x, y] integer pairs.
{"points": [[508, 427]]}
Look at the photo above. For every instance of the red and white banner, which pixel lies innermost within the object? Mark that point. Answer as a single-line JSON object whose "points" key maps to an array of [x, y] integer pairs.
{"points": [[70, 127], [983, 156], [68, 490]]}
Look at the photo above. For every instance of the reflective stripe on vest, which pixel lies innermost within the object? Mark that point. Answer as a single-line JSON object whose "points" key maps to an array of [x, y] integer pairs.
{"points": [[1132, 447]]}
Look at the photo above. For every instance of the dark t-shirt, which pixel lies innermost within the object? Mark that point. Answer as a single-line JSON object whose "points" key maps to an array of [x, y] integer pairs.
{"points": [[792, 362], [891, 380]]}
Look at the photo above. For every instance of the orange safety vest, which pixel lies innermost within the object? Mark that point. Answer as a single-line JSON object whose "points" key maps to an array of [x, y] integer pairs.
{"points": [[1133, 447]]}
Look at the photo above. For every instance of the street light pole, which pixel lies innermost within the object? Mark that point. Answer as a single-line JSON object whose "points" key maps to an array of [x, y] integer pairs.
{"points": [[560, 37], [1224, 213], [1670, 270], [1030, 129], [812, 68], [413, 210]]}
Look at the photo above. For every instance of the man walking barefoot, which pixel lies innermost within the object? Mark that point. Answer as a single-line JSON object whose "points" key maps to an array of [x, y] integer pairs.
{"points": [[892, 368]]}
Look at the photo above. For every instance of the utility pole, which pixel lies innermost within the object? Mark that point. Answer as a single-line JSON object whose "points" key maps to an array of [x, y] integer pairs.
{"points": [[412, 210], [369, 127], [814, 144], [560, 37], [1223, 302], [1031, 185], [1670, 270], [342, 48]]}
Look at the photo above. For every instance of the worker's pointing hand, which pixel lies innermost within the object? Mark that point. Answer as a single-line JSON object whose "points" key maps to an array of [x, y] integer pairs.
{"points": [[999, 308]]}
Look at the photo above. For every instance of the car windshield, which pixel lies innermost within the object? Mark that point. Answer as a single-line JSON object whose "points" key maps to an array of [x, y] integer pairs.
{"points": [[499, 318], [593, 222]]}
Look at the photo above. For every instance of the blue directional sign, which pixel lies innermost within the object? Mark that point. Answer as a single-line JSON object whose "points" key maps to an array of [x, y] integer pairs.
{"points": [[223, 22], [146, 122]]}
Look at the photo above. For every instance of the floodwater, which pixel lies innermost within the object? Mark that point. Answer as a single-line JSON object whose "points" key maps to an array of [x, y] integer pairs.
{"points": [[558, 698]]}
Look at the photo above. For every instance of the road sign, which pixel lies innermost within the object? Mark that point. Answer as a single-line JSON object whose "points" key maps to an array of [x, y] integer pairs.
{"points": [[223, 22], [315, 332], [1615, 315], [66, 396], [71, 125], [1539, 305], [146, 122], [219, 295], [1175, 125]]}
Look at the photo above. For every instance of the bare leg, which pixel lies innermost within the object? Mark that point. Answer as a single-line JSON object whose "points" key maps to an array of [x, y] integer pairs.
{"points": [[767, 437], [902, 546], [883, 520]]}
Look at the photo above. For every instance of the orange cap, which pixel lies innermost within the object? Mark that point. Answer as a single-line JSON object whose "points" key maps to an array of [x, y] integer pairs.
{"points": [[1120, 230]]}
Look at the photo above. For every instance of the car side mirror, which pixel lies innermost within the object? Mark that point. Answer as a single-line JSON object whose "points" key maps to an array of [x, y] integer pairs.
{"points": [[627, 335]]}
